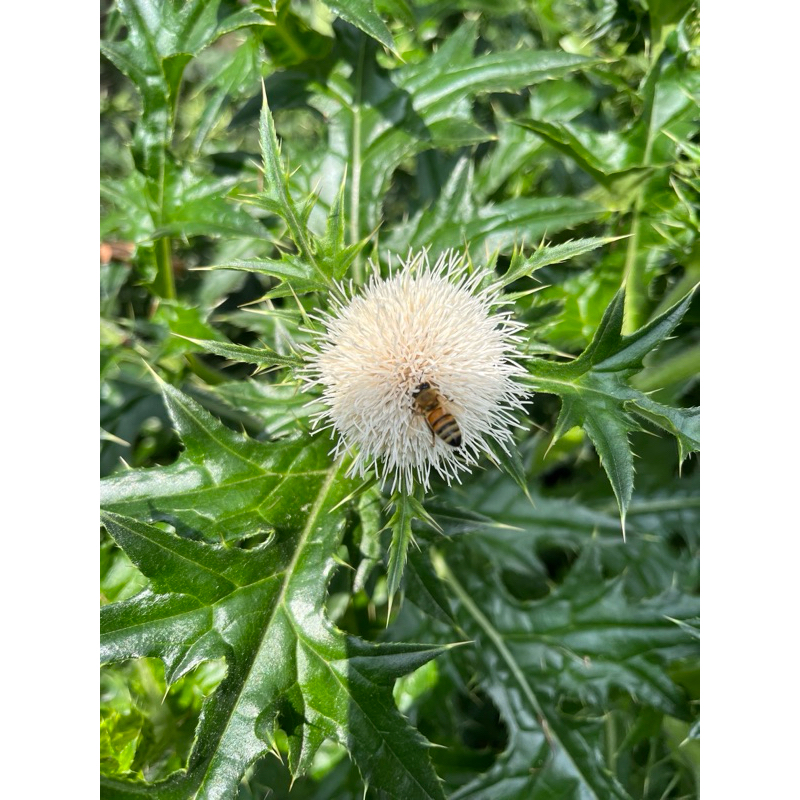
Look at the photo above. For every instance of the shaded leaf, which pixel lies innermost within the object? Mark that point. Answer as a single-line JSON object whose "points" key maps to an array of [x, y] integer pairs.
{"points": [[588, 640], [362, 14]]}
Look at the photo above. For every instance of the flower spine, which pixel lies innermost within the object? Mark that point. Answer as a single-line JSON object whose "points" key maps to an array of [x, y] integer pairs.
{"points": [[422, 325]]}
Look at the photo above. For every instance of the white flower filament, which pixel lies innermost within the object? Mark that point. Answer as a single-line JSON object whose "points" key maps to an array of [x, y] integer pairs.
{"points": [[422, 324]]}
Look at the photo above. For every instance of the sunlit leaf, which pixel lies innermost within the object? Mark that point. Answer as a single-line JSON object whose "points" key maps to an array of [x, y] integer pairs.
{"points": [[261, 609]]}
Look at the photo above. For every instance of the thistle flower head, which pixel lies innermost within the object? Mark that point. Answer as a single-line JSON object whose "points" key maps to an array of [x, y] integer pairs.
{"points": [[423, 325]]}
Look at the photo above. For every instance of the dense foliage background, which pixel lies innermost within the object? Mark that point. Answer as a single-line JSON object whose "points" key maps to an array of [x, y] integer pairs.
{"points": [[230, 538]]}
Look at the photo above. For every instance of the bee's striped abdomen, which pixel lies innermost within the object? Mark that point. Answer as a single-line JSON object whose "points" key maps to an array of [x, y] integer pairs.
{"points": [[428, 403], [445, 427]]}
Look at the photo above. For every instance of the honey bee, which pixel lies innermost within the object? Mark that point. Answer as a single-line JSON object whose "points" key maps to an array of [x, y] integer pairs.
{"points": [[428, 403]]}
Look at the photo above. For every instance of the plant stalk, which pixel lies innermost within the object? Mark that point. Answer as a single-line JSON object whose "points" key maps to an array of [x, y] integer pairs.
{"points": [[355, 178], [164, 284]]}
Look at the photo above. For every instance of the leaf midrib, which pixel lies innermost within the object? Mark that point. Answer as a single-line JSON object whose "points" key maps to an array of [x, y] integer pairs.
{"points": [[577, 387], [322, 495], [516, 671]]}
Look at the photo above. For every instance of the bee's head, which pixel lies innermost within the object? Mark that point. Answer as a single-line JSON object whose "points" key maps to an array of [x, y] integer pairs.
{"points": [[421, 388]]}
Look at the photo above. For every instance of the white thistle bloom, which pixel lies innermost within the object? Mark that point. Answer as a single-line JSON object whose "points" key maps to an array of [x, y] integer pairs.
{"points": [[421, 325]]}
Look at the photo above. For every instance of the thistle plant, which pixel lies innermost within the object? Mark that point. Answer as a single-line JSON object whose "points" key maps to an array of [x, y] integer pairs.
{"points": [[394, 300]]}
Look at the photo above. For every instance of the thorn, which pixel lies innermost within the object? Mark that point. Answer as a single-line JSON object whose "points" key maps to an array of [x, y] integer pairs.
{"points": [[433, 745], [110, 437], [459, 644], [528, 495], [341, 562], [158, 379]]}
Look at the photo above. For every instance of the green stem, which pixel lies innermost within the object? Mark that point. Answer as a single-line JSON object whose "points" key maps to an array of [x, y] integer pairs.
{"points": [[636, 302], [355, 179], [164, 284], [213, 377], [635, 287], [611, 742], [680, 367]]}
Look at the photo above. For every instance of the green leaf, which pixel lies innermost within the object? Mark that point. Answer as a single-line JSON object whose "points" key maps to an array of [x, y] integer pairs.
{"points": [[383, 120], [596, 393], [407, 508], [511, 462], [362, 14], [276, 190], [264, 357], [589, 641], [234, 77], [523, 539], [601, 155], [261, 609], [200, 206], [453, 221], [425, 589], [173, 563], [545, 255], [273, 409], [293, 270], [185, 324], [162, 37], [682, 423]]}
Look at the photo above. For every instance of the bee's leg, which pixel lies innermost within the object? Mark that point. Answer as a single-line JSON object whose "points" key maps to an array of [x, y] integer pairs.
{"points": [[433, 436]]}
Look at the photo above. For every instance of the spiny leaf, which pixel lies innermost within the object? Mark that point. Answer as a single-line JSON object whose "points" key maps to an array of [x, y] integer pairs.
{"points": [[407, 508], [589, 640], [596, 393], [682, 423], [264, 357], [362, 14], [277, 189], [511, 462], [262, 610], [171, 561], [291, 268], [546, 255]]}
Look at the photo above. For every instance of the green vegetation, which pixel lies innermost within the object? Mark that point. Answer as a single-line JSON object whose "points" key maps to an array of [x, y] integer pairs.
{"points": [[273, 627]]}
